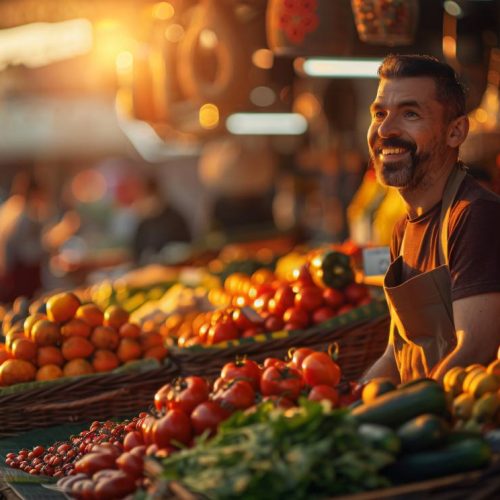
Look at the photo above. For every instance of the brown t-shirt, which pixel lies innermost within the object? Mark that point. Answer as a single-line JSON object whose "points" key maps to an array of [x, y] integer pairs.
{"points": [[473, 242]]}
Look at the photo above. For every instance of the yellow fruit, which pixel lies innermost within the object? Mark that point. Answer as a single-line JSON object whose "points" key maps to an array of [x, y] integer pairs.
{"points": [[482, 384], [462, 406], [470, 377], [473, 367], [494, 368], [486, 407], [454, 379]]}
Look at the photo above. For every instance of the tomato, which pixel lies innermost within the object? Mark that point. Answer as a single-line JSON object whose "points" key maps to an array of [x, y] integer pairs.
{"points": [[132, 439], [292, 326], [298, 356], [242, 369], [236, 395], [275, 308], [284, 296], [322, 314], [321, 392], [257, 291], [207, 416], [296, 316], [345, 308], [319, 369], [261, 302], [187, 393], [333, 298], [302, 275], [251, 332], [273, 323], [355, 292], [241, 320], [147, 429], [281, 381], [222, 331], [203, 332], [174, 426], [309, 298], [130, 464], [118, 485], [92, 462], [274, 362]]}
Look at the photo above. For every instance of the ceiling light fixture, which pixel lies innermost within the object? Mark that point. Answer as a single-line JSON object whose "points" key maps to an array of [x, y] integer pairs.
{"points": [[338, 68], [266, 124]]}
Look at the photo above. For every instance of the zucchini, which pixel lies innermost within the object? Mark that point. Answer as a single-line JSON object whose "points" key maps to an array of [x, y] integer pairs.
{"points": [[466, 455], [376, 387], [397, 407], [380, 437], [423, 432]]}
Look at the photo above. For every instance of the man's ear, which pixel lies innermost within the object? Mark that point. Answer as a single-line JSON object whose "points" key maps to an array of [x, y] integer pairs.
{"points": [[457, 131]]}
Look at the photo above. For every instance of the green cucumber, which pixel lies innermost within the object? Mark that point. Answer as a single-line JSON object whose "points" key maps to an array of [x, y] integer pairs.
{"points": [[423, 432], [466, 455], [397, 407], [380, 437]]}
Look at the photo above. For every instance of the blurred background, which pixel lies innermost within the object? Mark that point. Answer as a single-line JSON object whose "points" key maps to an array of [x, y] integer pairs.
{"points": [[137, 132]]}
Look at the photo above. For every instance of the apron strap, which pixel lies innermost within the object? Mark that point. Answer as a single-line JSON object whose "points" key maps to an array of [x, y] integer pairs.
{"points": [[450, 191]]}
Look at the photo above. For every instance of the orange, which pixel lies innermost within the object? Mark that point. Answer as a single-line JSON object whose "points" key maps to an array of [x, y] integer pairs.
{"points": [[23, 348], [76, 347], [4, 354], [62, 306], [130, 331], [49, 355], [45, 332], [75, 327], [158, 352], [128, 350], [105, 361], [15, 371], [11, 336], [77, 367], [151, 339], [30, 321], [115, 316], [105, 337], [90, 313], [49, 372]]}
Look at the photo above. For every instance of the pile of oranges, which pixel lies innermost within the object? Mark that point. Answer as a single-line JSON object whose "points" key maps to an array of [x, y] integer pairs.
{"points": [[72, 339]]}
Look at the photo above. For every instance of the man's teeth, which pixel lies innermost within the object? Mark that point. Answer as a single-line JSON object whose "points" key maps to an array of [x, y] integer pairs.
{"points": [[393, 151]]}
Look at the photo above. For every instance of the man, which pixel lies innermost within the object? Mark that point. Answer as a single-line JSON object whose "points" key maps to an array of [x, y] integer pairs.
{"points": [[443, 286]]}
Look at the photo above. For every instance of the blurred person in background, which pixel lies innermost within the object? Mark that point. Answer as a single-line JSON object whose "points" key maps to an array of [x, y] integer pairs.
{"points": [[22, 216], [159, 224]]}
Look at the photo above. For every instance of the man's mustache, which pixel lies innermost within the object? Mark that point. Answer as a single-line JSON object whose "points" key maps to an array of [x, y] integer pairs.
{"points": [[393, 143]]}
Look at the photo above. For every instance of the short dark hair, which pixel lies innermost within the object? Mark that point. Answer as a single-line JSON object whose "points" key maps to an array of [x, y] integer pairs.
{"points": [[450, 92]]}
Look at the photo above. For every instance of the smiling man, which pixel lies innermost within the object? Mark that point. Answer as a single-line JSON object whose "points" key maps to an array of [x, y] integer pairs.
{"points": [[443, 285]]}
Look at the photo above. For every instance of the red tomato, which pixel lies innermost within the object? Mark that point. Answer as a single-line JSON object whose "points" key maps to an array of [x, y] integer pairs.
{"points": [[322, 314], [132, 440], [241, 321], [275, 308], [274, 362], [251, 332], [207, 416], [222, 331], [242, 369], [284, 296], [261, 302], [147, 429], [319, 369], [273, 323], [292, 326], [355, 292], [296, 316], [333, 298], [281, 381], [187, 393], [309, 298], [130, 464], [321, 392], [236, 395], [257, 291], [174, 426], [93, 462], [345, 308], [298, 356], [303, 275], [203, 332]]}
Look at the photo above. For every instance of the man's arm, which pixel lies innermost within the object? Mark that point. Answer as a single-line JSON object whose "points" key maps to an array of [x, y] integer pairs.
{"points": [[385, 366], [477, 323]]}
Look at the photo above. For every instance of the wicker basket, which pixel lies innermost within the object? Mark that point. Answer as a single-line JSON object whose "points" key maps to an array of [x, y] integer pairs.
{"points": [[92, 397], [361, 341]]}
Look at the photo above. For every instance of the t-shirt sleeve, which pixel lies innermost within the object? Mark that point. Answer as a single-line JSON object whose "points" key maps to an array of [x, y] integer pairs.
{"points": [[474, 251]]}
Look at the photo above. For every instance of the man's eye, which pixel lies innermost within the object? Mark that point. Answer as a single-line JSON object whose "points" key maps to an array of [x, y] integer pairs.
{"points": [[411, 114], [378, 115]]}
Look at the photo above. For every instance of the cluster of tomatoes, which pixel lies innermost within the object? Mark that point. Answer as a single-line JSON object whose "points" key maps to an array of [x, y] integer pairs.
{"points": [[262, 303], [107, 460]]}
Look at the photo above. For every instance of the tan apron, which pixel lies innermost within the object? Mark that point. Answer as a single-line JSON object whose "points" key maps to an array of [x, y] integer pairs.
{"points": [[422, 330]]}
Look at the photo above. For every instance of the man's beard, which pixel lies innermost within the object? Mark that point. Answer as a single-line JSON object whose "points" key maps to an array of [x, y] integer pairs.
{"points": [[405, 174]]}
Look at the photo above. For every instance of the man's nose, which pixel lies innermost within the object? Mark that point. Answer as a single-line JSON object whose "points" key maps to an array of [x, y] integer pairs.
{"points": [[389, 127]]}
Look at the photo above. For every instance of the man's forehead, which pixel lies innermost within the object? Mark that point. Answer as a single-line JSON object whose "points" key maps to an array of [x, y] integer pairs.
{"points": [[421, 89]]}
